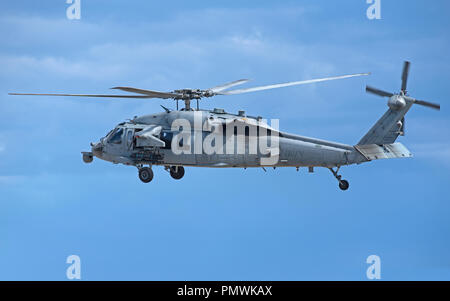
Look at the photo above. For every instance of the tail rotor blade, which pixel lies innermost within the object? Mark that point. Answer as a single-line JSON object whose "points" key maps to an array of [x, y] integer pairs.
{"points": [[428, 104], [378, 92], [405, 75]]}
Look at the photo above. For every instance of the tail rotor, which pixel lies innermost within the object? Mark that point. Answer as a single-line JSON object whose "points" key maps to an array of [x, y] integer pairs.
{"points": [[398, 101]]}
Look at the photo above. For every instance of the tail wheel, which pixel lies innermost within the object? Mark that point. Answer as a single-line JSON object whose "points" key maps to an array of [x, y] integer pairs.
{"points": [[344, 185], [146, 174], [177, 172]]}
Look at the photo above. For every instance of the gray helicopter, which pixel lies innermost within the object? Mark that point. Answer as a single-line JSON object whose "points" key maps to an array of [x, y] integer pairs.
{"points": [[217, 139]]}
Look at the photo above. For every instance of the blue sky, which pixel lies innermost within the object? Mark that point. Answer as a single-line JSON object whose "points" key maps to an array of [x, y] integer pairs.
{"points": [[221, 224]]}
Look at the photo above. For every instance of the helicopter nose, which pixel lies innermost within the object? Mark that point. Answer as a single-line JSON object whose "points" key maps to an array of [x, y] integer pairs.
{"points": [[97, 148]]}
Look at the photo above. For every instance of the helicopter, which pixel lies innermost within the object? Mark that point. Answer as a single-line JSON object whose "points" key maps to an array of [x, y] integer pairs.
{"points": [[215, 138]]}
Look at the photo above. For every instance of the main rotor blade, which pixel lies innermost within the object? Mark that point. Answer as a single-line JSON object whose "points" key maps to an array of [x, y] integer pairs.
{"points": [[150, 93], [428, 104], [378, 92], [228, 85], [240, 91], [83, 95], [405, 75]]}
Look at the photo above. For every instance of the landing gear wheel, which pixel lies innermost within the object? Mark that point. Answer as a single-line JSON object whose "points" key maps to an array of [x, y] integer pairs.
{"points": [[177, 172], [344, 185], [146, 174]]}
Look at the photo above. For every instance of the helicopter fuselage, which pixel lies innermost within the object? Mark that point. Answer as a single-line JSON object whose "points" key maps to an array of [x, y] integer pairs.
{"points": [[253, 143]]}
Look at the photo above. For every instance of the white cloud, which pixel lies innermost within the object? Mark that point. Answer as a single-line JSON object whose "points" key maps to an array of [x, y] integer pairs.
{"points": [[57, 66], [168, 49], [35, 30]]}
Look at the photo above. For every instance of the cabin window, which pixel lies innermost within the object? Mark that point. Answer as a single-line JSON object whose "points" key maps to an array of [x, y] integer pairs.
{"points": [[167, 138], [130, 136]]}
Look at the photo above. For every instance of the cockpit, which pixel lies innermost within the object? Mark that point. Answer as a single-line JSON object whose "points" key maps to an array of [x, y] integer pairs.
{"points": [[115, 136]]}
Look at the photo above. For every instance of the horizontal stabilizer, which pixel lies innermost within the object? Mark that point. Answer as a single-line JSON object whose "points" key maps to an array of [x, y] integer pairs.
{"points": [[385, 151]]}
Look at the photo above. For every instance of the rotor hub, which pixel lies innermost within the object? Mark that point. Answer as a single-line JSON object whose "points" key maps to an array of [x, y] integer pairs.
{"points": [[396, 102]]}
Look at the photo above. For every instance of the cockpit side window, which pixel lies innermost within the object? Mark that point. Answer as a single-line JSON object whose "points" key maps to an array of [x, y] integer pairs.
{"points": [[116, 136]]}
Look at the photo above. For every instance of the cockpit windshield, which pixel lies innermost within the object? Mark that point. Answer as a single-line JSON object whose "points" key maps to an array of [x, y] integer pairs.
{"points": [[116, 136]]}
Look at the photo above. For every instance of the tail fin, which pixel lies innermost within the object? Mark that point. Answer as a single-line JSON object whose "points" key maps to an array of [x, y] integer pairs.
{"points": [[388, 127]]}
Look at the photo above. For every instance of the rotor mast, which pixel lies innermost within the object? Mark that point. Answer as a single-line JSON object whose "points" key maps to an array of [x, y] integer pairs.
{"points": [[187, 104], [186, 95]]}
